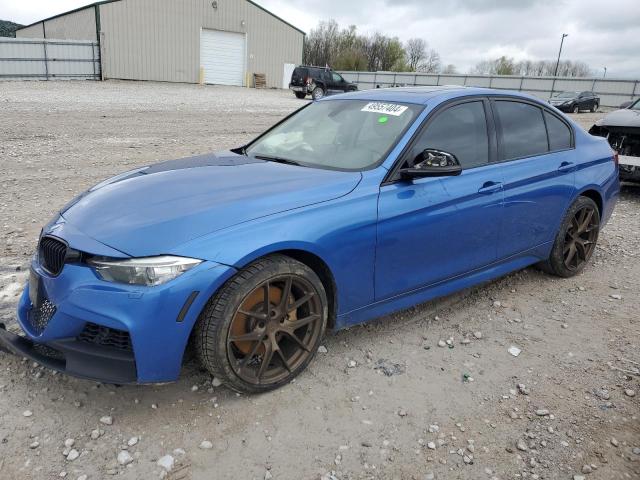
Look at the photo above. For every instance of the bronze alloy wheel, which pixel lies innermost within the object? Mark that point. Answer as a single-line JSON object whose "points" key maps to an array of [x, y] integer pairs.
{"points": [[274, 330], [575, 240], [264, 325], [580, 239]]}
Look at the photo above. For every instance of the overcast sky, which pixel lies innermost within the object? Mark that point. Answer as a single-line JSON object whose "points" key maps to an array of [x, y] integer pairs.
{"points": [[601, 33]]}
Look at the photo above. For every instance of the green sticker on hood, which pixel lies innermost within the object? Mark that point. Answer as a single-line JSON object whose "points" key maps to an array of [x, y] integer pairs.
{"points": [[383, 119]]}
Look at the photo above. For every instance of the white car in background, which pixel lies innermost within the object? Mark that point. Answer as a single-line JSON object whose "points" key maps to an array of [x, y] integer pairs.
{"points": [[622, 129]]}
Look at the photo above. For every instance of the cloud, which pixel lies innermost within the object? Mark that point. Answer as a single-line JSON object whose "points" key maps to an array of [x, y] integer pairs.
{"points": [[462, 31]]}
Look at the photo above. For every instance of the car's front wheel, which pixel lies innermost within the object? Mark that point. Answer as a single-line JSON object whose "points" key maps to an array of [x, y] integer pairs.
{"points": [[575, 109], [594, 107], [264, 326], [576, 240]]}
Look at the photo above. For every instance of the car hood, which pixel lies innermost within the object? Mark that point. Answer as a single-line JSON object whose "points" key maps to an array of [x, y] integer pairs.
{"points": [[561, 100], [148, 211], [621, 118]]}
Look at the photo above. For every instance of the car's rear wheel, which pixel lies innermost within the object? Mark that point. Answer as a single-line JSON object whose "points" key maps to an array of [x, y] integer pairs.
{"points": [[594, 107], [264, 326], [576, 240], [575, 109], [300, 95], [317, 93]]}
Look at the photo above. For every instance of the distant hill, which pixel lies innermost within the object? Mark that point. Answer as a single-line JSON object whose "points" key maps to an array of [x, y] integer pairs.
{"points": [[8, 29]]}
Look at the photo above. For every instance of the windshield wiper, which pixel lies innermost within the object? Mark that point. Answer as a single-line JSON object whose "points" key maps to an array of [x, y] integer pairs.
{"points": [[286, 161]]}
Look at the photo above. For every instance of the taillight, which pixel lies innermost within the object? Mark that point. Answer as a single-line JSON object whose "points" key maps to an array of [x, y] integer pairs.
{"points": [[616, 160]]}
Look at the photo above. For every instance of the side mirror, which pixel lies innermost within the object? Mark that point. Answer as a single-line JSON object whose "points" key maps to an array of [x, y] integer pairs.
{"points": [[432, 163]]}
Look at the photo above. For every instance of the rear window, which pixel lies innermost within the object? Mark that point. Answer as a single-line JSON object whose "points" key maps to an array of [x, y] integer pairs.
{"points": [[523, 130], [559, 133], [300, 73]]}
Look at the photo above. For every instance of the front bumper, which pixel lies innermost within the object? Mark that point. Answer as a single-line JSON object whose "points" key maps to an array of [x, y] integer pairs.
{"points": [[563, 108], [157, 323], [70, 356], [629, 168]]}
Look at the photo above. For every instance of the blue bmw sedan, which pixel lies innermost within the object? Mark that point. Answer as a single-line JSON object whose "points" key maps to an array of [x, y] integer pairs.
{"points": [[352, 207]]}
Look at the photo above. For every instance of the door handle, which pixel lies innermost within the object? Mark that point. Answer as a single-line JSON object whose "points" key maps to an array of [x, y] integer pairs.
{"points": [[490, 187], [566, 167]]}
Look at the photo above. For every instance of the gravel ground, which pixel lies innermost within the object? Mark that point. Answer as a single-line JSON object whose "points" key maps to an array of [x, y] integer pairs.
{"points": [[565, 408]]}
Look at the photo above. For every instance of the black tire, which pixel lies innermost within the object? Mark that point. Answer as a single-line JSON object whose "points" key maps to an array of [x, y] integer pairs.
{"points": [[559, 263], [575, 109], [317, 93], [219, 345], [300, 95], [594, 107]]}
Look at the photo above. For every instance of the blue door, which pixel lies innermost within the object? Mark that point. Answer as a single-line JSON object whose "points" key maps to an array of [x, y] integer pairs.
{"points": [[536, 150], [432, 229]]}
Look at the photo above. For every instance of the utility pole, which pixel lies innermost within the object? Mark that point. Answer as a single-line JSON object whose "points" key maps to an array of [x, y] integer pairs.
{"points": [[605, 72], [560, 53]]}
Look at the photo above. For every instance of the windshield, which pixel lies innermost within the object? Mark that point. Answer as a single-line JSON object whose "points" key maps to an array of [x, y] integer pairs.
{"points": [[636, 105], [337, 134], [567, 94]]}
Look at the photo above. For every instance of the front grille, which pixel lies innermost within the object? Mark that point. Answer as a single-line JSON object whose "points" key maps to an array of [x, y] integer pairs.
{"points": [[48, 352], [106, 337], [40, 315], [53, 254]]}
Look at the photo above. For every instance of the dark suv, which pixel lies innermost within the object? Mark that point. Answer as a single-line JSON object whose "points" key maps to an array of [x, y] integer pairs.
{"points": [[318, 82], [575, 101]]}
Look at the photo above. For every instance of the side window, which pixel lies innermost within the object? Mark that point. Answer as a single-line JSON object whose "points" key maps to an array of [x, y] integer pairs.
{"points": [[559, 133], [460, 130], [523, 130], [336, 78]]}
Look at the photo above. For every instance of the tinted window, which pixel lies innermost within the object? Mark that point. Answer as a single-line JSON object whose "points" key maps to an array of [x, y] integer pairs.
{"points": [[460, 130], [559, 133], [523, 130], [336, 78]]}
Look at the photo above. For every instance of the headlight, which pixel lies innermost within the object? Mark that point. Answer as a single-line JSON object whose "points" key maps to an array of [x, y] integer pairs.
{"points": [[149, 271]]}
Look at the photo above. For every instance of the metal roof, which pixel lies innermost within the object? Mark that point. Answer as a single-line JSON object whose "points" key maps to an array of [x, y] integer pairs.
{"points": [[421, 95], [95, 4]]}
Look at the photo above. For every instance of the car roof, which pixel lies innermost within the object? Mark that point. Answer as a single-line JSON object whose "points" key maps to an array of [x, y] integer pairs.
{"points": [[422, 95]]}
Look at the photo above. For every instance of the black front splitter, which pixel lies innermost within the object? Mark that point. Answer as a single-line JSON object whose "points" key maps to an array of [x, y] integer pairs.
{"points": [[74, 358]]}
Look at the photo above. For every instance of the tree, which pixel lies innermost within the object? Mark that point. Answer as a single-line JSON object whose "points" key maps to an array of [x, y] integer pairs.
{"points": [[540, 68], [450, 69], [421, 58], [320, 46], [346, 49], [431, 63], [504, 66], [8, 29], [416, 49]]}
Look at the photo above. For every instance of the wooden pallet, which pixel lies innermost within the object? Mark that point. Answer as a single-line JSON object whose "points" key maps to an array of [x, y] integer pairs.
{"points": [[260, 80]]}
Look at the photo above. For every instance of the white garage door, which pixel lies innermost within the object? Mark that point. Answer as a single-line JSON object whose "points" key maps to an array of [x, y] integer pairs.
{"points": [[222, 55]]}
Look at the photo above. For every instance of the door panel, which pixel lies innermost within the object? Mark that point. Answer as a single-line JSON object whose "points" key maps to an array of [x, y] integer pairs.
{"points": [[537, 188], [536, 195], [436, 228]]}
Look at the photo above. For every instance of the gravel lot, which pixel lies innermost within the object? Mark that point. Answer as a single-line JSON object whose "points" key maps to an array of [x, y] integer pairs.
{"points": [[444, 413]]}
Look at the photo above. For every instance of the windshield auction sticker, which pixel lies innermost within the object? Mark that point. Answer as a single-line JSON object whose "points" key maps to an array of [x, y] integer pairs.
{"points": [[385, 108]]}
